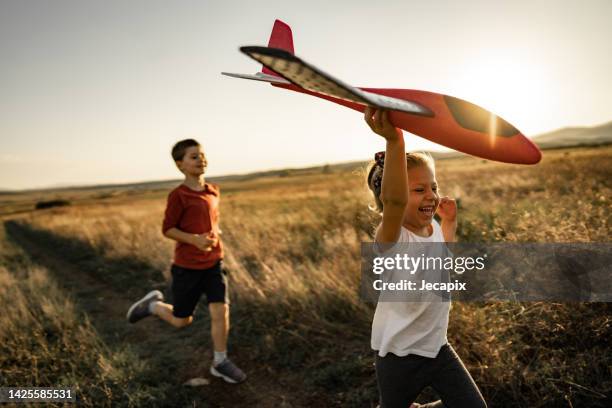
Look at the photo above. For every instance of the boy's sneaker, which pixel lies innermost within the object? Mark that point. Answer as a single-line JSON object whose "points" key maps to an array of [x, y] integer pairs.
{"points": [[228, 371], [140, 309]]}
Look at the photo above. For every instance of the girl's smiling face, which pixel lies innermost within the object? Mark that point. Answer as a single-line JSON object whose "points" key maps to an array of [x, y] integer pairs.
{"points": [[423, 199]]}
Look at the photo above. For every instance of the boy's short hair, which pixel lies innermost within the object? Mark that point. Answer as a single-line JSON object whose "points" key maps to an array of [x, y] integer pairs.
{"points": [[178, 151]]}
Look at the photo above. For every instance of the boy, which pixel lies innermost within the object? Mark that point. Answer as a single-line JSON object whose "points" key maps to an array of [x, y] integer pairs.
{"points": [[192, 220]]}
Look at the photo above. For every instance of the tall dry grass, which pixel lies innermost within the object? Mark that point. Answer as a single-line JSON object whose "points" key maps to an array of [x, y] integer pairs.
{"points": [[46, 342]]}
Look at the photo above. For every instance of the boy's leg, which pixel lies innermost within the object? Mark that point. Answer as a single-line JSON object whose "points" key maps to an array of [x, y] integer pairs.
{"points": [[454, 383], [152, 304], [166, 312], [219, 325], [218, 305], [215, 285]]}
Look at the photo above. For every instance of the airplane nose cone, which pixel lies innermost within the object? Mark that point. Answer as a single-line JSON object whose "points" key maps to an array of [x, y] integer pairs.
{"points": [[531, 152]]}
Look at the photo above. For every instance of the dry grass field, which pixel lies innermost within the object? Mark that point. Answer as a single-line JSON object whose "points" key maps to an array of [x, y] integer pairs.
{"points": [[68, 274]]}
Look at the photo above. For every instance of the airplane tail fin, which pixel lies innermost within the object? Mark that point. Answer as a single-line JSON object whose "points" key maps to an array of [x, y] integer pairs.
{"points": [[282, 38]]}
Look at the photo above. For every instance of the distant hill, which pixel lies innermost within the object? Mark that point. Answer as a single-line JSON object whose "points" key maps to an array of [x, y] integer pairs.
{"points": [[575, 136]]}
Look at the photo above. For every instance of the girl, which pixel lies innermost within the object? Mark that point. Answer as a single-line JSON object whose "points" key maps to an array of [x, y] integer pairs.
{"points": [[410, 337]]}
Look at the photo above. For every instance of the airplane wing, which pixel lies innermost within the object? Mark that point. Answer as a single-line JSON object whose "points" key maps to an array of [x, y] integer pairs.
{"points": [[313, 79], [259, 76]]}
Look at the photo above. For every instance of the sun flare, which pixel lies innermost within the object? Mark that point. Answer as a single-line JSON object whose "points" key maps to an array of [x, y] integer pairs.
{"points": [[510, 88]]}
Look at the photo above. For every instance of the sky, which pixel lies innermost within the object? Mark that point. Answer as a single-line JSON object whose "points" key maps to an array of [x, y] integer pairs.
{"points": [[98, 91]]}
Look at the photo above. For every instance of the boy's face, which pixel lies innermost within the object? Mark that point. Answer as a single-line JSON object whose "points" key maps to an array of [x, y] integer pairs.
{"points": [[423, 197], [194, 162]]}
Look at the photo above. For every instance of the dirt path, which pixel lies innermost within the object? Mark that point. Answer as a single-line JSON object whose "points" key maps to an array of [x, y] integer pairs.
{"points": [[153, 340]]}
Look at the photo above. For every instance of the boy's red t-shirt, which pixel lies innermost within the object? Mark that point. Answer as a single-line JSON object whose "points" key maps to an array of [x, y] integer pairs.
{"points": [[194, 212]]}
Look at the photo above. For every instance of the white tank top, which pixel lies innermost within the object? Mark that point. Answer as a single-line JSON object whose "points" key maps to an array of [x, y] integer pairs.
{"points": [[404, 328]]}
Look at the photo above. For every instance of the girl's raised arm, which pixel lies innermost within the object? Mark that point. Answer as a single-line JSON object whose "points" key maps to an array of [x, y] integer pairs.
{"points": [[394, 189]]}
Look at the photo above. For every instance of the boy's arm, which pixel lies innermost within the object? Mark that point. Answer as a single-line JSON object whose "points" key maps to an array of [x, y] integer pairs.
{"points": [[447, 210], [394, 188], [204, 242]]}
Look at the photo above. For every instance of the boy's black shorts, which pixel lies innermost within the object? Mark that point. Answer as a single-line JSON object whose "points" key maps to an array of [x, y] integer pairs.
{"points": [[189, 284]]}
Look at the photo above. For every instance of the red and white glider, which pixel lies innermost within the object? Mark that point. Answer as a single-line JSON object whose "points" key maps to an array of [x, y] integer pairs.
{"points": [[443, 119]]}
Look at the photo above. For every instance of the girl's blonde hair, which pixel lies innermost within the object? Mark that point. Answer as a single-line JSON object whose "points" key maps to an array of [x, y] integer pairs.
{"points": [[375, 174]]}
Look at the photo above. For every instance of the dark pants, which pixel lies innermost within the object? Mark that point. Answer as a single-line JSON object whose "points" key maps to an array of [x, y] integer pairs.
{"points": [[188, 285], [401, 379]]}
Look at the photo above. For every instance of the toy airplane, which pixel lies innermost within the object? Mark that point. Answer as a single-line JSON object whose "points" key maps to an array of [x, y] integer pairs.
{"points": [[443, 119]]}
